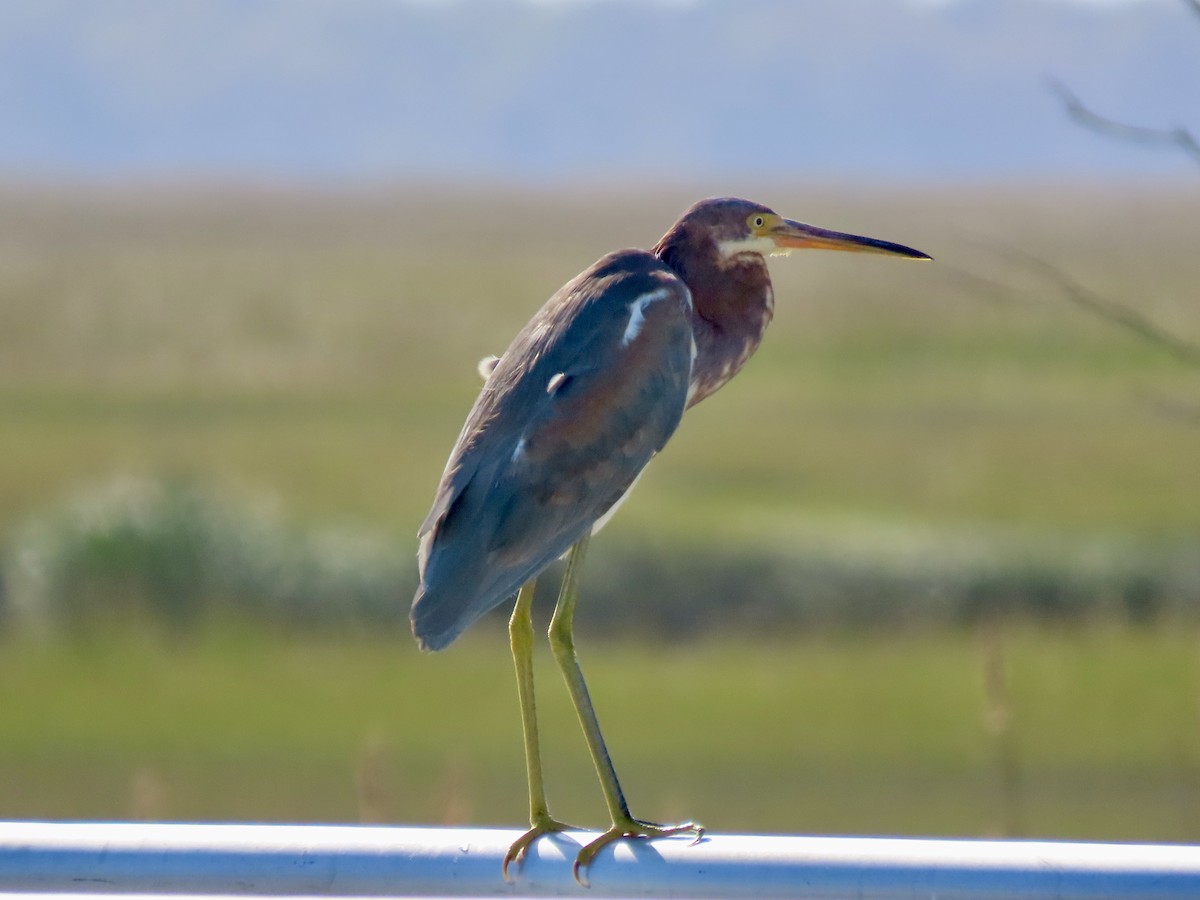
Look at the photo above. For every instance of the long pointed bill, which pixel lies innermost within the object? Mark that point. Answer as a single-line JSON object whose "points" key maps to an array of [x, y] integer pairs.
{"points": [[790, 235]]}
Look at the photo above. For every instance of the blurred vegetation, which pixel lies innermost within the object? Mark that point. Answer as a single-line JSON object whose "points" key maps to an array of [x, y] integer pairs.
{"points": [[915, 443], [171, 554], [223, 413], [174, 554], [876, 733]]}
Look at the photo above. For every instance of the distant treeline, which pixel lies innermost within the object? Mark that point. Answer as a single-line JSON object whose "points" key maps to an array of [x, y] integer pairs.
{"points": [[177, 554]]}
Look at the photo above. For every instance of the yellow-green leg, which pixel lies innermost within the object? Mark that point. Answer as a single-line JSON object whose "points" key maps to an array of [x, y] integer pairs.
{"points": [[562, 642], [520, 636]]}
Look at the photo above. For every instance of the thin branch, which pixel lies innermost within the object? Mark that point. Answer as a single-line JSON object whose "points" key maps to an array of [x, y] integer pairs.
{"points": [[978, 285], [1108, 310], [1172, 408], [1092, 304], [1194, 6], [1178, 137]]}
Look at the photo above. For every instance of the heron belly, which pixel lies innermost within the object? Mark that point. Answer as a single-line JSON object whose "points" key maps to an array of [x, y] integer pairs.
{"points": [[611, 511]]}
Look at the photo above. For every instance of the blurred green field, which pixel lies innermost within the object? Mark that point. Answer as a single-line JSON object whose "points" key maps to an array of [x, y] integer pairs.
{"points": [[322, 348], [319, 350], [822, 734]]}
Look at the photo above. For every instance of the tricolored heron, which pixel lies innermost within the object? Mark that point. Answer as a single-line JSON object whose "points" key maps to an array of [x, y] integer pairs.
{"points": [[584, 397]]}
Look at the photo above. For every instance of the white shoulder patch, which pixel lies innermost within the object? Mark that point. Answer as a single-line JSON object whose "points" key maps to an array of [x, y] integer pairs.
{"points": [[637, 313], [487, 366]]}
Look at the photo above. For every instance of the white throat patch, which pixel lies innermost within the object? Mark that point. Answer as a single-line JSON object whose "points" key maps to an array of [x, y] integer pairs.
{"points": [[760, 244]]}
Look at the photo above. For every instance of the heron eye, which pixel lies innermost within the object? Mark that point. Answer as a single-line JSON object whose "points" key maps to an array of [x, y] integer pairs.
{"points": [[758, 221]]}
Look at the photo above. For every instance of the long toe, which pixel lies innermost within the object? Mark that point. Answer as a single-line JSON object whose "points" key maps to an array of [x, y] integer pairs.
{"points": [[522, 844], [629, 828]]}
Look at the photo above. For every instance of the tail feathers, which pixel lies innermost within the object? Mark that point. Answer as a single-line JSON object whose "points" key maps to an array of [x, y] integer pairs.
{"points": [[439, 617], [435, 625], [457, 588]]}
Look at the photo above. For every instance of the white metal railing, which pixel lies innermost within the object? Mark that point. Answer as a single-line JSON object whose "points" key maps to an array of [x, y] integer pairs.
{"points": [[348, 861]]}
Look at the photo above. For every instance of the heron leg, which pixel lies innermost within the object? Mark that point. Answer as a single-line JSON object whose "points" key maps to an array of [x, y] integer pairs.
{"points": [[520, 635], [562, 641]]}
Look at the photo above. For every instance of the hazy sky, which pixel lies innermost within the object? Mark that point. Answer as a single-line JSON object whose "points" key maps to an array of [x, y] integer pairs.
{"points": [[323, 90]]}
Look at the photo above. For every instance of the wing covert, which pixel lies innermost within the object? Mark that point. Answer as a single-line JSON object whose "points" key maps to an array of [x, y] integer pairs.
{"points": [[586, 395]]}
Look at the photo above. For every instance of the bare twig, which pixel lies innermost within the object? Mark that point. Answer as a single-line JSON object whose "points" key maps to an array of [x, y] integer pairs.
{"points": [[1109, 310], [990, 289], [998, 720], [1178, 137], [1172, 408], [978, 285]]}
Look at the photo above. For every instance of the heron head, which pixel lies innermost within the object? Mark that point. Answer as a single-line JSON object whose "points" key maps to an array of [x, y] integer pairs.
{"points": [[737, 227]]}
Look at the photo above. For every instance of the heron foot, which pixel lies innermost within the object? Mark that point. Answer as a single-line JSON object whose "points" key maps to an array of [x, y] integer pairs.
{"points": [[629, 828], [541, 825]]}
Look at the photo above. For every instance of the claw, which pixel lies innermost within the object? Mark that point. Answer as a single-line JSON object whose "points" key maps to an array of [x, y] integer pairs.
{"points": [[631, 828], [522, 844]]}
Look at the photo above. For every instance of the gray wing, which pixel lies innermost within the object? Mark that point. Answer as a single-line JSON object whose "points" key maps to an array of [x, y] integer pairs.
{"points": [[584, 397]]}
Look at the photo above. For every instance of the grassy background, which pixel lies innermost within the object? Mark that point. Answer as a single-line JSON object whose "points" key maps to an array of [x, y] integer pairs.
{"points": [[322, 348], [319, 350], [809, 734]]}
